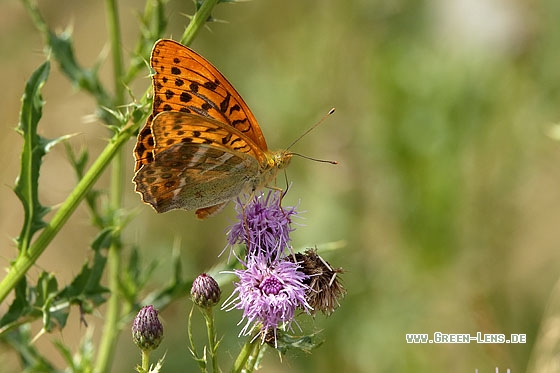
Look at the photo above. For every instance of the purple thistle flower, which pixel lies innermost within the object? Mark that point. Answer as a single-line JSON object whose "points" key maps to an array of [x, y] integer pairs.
{"points": [[269, 292], [263, 225]]}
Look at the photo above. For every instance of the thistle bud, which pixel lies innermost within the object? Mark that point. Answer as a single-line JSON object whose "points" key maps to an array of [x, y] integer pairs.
{"points": [[205, 291], [147, 331]]}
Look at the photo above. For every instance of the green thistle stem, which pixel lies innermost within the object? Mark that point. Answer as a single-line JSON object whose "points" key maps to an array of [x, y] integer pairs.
{"points": [[251, 346], [145, 360], [212, 342], [116, 50], [197, 21], [201, 361], [111, 328], [253, 358]]}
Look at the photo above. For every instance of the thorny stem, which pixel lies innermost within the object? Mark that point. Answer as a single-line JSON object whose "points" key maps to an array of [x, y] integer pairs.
{"points": [[111, 328], [197, 21]]}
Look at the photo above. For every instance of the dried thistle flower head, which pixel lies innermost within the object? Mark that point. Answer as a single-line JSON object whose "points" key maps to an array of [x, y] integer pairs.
{"points": [[325, 288]]}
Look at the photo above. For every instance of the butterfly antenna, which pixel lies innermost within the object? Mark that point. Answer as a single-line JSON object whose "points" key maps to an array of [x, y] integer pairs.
{"points": [[310, 129], [315, 159]]}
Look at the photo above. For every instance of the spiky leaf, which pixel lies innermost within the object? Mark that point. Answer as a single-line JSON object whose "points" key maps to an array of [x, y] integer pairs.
{"points": [[34, 148]]}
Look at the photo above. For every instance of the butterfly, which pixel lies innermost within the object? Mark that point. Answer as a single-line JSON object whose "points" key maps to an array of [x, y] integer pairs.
{"points": [[201, 146]]}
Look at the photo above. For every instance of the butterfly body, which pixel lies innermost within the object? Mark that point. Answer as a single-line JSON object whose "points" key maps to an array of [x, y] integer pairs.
{"points": [[201, 146]]}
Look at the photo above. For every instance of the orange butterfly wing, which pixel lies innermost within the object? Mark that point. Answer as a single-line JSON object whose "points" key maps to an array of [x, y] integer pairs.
{"points": [[186, 82], [205, 164]]}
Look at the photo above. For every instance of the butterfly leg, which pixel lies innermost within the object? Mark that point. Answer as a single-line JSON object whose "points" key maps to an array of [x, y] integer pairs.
{"points": [[282, 192]]}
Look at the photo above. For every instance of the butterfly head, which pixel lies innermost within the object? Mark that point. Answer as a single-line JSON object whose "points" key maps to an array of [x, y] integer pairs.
{"points": [[280, 159]]}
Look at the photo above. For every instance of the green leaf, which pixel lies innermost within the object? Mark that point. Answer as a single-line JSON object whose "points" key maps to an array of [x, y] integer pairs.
{"points": [[153, 368], [82, 360], [153, 23], [46, 301], [305, 343], [63, 51], [176, 289], [31, 359], [34, 302], [45, 295], [79, 163], [86, 289], [136, 276], [62, 48], [19, 307], [103, 239], [34, 148]]}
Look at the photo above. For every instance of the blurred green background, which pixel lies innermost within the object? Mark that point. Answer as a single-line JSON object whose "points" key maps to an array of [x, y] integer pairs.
{"points": [[446, 192]]}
